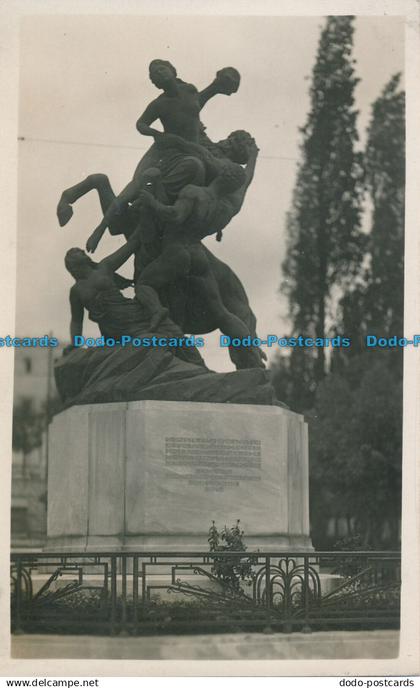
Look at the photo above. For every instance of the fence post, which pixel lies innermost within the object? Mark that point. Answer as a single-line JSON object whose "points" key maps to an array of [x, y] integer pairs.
{"points": [[18, 609], [268, 628], [113, 593], [287, 601], [124, 630], [135, 595], [306, 594], [143, 584]]}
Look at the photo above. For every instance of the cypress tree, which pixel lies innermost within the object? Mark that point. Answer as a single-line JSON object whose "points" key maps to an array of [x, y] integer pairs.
{"points": [[325, 242]]}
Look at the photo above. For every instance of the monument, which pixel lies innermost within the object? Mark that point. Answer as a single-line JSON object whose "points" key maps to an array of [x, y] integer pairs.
{"points": [[152, 445]]}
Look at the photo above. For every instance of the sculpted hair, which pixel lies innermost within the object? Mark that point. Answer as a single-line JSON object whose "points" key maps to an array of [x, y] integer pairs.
{"points": [[72, 259], [240, 135], [240, 140], [162, 62], [233, 176]]}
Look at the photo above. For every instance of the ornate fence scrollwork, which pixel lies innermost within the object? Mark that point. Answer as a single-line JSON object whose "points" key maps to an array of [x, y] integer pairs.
{"points": [[140, 592], [30, 605]]}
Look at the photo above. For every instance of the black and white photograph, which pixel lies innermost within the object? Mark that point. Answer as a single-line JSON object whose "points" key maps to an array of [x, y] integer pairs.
{"points": [[212, 349]]}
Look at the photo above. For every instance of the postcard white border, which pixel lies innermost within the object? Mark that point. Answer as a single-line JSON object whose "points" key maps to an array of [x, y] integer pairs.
{"points": [[408, 661]]}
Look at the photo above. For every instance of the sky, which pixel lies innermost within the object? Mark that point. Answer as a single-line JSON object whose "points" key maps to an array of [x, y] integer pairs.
{"points": [[84, 83]]}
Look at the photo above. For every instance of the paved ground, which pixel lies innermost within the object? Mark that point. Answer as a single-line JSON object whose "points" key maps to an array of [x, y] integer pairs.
{"points": [[320, 645]]}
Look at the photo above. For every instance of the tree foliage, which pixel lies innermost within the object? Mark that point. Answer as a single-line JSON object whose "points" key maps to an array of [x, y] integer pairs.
{"points": [[342, 280], [355, 444], [30, 421], [375, 303], [325, 242], [28, 424], [357, 440]]}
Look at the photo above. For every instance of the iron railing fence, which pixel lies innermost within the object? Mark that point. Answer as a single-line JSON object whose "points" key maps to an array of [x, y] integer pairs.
{"points": [[174, 592]]}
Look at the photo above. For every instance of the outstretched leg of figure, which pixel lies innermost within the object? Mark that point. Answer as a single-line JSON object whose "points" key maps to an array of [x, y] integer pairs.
{"points": [[208, 289], [234, 297], [99, 182], [118, 208], [236, 301], [173, 263]]}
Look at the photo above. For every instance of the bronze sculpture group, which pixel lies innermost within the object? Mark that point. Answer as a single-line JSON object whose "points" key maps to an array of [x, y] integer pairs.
{"points": [[185, 188]]}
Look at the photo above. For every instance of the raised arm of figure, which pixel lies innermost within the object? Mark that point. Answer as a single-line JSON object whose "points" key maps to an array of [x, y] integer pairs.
{"points": [[119, 257], [226, 82], [209, 92], [237, 197]]}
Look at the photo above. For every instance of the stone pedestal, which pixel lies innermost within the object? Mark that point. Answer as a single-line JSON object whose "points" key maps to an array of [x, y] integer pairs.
{"points": [[152, 475]]}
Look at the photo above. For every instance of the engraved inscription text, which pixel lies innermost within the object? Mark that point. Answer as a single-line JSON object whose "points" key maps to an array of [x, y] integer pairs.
{"points": [[214, 463]]}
